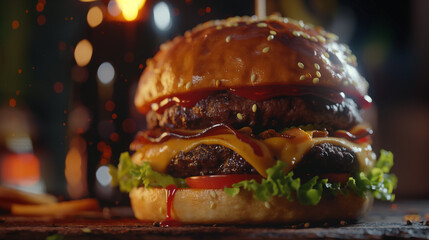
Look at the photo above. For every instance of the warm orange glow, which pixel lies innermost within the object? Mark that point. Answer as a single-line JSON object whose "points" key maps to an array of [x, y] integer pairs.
{"points": [[83, 53], [19, 71], [76, 167], [15, 24], [130, 8], [73, 167], [12, 102], [20, 169], [94, 17]]}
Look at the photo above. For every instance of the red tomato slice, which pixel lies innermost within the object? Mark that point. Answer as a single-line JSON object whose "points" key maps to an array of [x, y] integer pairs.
{"points": [[336, 177], [219, 181]]}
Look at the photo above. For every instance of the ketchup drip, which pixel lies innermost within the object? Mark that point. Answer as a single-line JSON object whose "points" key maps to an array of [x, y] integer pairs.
{"points": [[260, 93], [169, 221], [216, 129]]}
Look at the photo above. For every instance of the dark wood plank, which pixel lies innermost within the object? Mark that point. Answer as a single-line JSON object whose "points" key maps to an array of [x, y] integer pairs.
{"points": [[386, 221]]}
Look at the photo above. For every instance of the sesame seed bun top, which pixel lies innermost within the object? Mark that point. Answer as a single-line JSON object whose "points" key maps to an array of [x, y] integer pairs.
{"points": [[247, 51]]}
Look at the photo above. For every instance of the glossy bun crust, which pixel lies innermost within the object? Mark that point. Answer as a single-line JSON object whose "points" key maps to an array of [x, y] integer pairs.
{"points": [[206, 206], [247, 51]]}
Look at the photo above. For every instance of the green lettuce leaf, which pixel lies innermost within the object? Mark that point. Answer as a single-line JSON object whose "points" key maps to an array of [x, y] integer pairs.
{"points": [[378, 182], [129, 175]]}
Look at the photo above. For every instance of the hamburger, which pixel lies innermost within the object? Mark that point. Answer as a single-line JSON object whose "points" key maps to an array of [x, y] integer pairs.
{"points": [[253, 121]]}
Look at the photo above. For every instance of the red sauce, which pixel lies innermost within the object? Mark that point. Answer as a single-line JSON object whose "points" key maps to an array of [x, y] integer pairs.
{"points": [[261, 93], [169, 221], [217, 129]]}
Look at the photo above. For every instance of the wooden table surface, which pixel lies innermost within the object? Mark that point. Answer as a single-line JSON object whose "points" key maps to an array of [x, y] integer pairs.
{"points": [[386, 221]]}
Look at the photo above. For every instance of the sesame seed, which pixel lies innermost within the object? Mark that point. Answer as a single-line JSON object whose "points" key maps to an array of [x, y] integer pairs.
{"points": [[296, 33], [254, 108], [154, 106], [253, 77], [188, 85], [332, 36], [324, 61], [345, 83], [270, 37], [262, 24], [266, 49], [219, 27], [315, 80], [302, 77], [217, 83], [267, 204], [326, 54], [164, 102], [273, 32], [314, 39], [227, 39], [305, 35], [321, 38], [240, 116], [317, 66], [212, 205], [301, 65], [212, 194], [318, 74]]}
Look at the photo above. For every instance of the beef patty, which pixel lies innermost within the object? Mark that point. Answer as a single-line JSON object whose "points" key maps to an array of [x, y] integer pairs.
{"points": [[275, 113], [217, 159]]}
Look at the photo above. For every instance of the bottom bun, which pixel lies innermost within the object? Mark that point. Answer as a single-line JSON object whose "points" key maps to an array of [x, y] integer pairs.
{"points": [[207, 206]]}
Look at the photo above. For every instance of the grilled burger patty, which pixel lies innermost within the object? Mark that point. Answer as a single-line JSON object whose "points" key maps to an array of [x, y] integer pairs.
{"points": [[275, 113], [217, 159]]}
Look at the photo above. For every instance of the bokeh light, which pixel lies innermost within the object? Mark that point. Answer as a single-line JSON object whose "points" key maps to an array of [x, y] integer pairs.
{"points": [[109, 106], [162, 16], [113, 8], [73, 173], [12, 102], [83, 53], [58, 87], [15, 24], [20, 169], [130, 8], [78, 119], [103, 176], [106, 73], [94, 17]]}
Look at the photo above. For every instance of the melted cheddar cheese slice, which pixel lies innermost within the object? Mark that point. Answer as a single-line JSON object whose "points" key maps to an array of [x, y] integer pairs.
{"points": [[288, 150]]}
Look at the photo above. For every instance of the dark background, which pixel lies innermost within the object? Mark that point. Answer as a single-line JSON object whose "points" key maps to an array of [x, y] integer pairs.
{"points": [[47, 99]]}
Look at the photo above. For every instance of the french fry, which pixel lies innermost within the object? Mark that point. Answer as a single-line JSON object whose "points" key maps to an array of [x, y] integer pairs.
{"points": [[17, 196], [56, 209]]}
